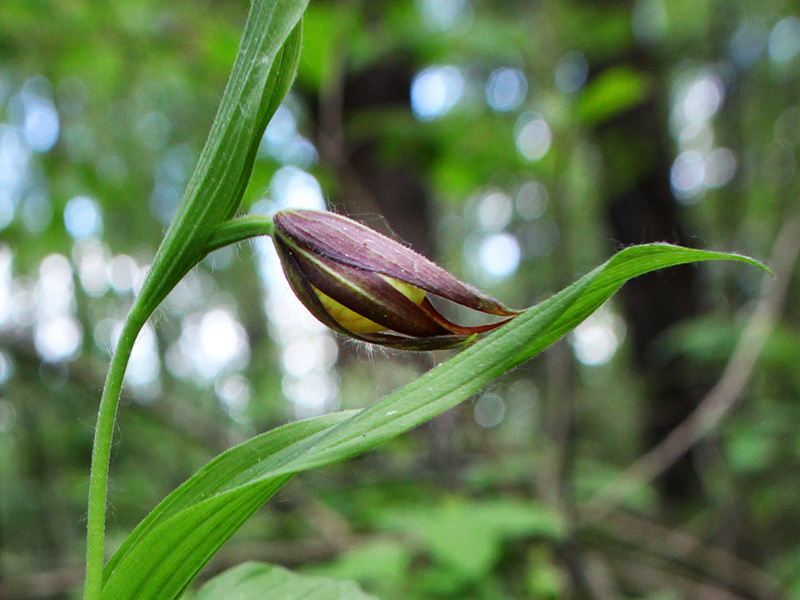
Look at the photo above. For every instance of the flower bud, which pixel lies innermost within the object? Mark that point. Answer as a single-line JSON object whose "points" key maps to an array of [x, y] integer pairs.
{"points": [[372, 288]]}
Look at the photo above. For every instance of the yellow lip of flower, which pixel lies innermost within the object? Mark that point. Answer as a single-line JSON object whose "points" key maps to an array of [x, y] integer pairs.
{"points": [[371, 287], [356, 323]]}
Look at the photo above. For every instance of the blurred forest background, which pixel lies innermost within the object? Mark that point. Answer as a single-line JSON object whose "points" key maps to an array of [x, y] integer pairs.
{"points": [[517, 142]]}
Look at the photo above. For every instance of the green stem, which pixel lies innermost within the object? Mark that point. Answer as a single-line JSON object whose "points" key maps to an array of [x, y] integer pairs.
{"points": [[101, 452], [238, 229], [227, 233]]}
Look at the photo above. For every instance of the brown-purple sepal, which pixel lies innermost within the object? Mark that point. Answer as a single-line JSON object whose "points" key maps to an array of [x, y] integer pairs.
{"points": [[363, 271], [349, 242], [363, 292]]}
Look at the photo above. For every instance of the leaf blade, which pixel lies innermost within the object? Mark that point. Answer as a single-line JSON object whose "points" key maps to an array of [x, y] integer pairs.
{"points": [[185, 533], [221, 474]]}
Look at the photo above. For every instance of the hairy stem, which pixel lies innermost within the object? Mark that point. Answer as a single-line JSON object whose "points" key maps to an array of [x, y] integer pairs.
{"points": [[228, 233], [237, 230], [265, 67], [101, 453]]}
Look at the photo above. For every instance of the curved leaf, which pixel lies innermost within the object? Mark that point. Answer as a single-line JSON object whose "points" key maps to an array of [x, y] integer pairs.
{"points": [[228, 470], [168, 550], [263, 71]]}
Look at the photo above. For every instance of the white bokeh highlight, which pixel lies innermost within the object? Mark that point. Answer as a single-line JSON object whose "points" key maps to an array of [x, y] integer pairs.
{"points": [[532, 136], [435, 91]]}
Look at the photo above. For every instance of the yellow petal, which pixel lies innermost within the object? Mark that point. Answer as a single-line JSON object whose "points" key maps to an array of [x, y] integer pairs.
{"points": [[412, 292], [350, 320], [354, 322]]}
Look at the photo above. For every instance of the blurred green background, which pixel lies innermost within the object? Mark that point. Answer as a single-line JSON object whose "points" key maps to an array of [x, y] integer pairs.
{"points": [[519, 143]]}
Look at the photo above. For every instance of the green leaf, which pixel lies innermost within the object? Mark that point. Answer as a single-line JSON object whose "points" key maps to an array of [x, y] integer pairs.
{"points": [[267, 582], [264, 69], [227, 471], [265, 66], [612, 92], [381, 562], [169, 549], [468, 536]]}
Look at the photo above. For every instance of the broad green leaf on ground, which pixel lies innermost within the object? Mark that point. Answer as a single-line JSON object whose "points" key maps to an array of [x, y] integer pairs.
{"points": [[256, 581], [468, 536], [171, 548], [382, 562]]}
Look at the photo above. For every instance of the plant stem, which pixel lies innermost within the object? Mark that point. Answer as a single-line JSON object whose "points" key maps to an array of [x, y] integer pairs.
{"points": [[227, 233], [237, 230], [230, 232], [101, 452]]}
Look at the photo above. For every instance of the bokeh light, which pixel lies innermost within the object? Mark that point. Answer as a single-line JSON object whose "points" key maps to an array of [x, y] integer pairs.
{"points": [[283, 142], [784, 40], [596, 340], [506, 89], [649, 20], [533, 136], [82, 217], [57, 338], [435, 91], [234, 391], [92, 260], [571, 72], [688, 175], [307, 348], [144, 365], [532, 200], [444, 15], [211, 342], [748, 42], [499, 254], [720, 167], [495, 210], [41, 124], [489, 411], [6, 367], [123, 273], [6, 263]]}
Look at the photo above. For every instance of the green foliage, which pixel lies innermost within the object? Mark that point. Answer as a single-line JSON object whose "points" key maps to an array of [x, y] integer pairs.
{"points": [[266, 582], [614, 91], [468, 537], [381, 564], [456, 509], [264, 69], [174, 543]]}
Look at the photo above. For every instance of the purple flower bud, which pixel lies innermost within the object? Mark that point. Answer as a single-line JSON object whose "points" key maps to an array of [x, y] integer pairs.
{"points": [[370, 287]]}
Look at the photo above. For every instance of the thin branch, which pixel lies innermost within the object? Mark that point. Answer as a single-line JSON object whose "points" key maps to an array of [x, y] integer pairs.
{"points": [[600, 578], [682, 547], [648, 578], [725, 394]]}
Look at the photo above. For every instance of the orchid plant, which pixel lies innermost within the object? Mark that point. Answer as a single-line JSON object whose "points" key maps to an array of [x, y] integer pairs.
{"points": [[351, 278]]}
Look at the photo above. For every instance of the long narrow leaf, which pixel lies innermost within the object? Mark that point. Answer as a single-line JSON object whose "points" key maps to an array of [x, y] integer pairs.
{"points": [[264, 69], [227, 471], [170, 550]]}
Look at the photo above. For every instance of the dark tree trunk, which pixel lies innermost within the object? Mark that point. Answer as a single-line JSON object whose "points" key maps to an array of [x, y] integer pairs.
{"points": [[646, 211]]}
